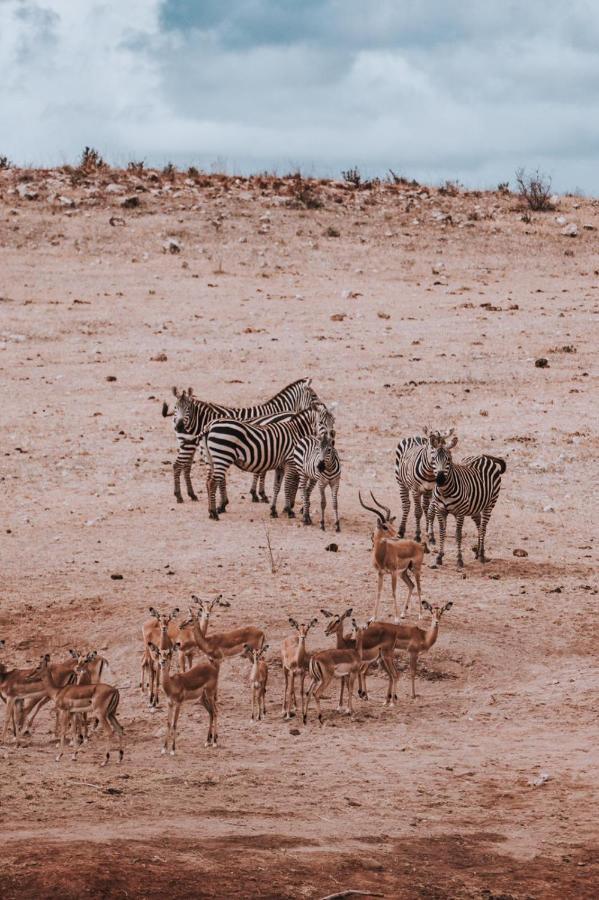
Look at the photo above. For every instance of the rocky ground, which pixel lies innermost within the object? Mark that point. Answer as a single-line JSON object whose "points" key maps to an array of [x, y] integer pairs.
{"points": [[409, 306]]}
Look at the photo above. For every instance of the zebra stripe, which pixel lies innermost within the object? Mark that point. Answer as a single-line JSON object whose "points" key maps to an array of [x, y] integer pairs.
{"points": [[314, 462], [470, 489], [257, 449], [192, 416], [414, 474]]}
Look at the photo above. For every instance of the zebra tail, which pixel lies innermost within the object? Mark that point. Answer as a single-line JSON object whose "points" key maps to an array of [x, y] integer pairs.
{"points": [[203, 441]]}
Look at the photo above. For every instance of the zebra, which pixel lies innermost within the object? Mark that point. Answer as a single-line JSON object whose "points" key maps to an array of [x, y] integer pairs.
{"points": [[414, 474], [469, 488], [192, 416], [314, 462], [257, 449]]}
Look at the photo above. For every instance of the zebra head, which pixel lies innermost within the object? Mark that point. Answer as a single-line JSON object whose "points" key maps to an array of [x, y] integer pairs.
{"points": [[304, 396], [183, 410], [327, 451], [324, 423], [440, 456]]}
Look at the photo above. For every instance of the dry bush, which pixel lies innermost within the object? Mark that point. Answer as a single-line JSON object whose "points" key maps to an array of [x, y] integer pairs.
{"points": [[169, 170], [352, 176], [5, 162], [303, 194], [503, 187], [91, 161], [534, 190], [136, 167], [450, 188]]}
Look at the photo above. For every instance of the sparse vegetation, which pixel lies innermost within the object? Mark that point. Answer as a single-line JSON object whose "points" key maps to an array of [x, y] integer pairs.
{"points": [[332, 232], [5, 162], [169, 171], [535, 190], [136, 167], [193, 172], [91, 161], [303, 193], [503, 187], [450, 188], [352, 176]]}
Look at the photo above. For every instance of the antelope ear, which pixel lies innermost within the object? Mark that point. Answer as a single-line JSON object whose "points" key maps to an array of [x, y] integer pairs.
{"points": [[426, 605], [347, 613], [74, 654], [326, 613], [313, 622], [448, 605], [177, 646], [175, 612], [91, 656], [152, 647], [247, 648], [392, 519], [154, 612], [293, 623], [264, 649]]}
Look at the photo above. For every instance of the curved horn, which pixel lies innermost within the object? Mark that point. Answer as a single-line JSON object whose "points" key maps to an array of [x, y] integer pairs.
{"points": [[386, 508], [369, 508]]}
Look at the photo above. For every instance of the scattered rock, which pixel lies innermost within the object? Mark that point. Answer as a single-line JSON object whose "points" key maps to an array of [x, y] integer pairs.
{"points": [[294, 731], [172, 245], [542, 778], [438, 268], [338, 317], [111, 378], [350, 295], [332, 548], [519, 552], [67, 202], [160, 357], [542, 363], [548, 509], [383, 315], [332, 232], [116, 220], [570, 230], [561, 220], [27, 192], [116, 576], [131, 202], [114, 188], [588, 227]]}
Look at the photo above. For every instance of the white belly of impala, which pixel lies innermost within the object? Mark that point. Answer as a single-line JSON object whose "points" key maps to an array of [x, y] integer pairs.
{"points": [[342, 670]]}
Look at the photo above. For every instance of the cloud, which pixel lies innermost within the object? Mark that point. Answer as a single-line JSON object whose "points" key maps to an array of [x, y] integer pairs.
{"points": [[432, 88]]}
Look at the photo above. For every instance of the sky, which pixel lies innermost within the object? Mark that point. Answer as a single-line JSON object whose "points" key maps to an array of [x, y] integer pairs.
{"points": [[464, 90]]}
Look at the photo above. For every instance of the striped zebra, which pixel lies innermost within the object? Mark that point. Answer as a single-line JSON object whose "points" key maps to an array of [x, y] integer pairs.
{"points": [[314, 462], [257, 449], [414, 475], [192, 416], [469, 488]]}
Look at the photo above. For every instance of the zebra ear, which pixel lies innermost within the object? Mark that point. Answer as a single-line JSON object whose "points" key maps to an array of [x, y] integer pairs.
{"points": [[190, 391], [452, 442], [175, 392], [433, 439], [308, 382]]}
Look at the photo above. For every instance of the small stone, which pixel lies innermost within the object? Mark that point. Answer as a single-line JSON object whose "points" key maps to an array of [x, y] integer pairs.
{"points": [[588, 227], [561, 220], [338, 317], [172, 245], [131, 202], [116, 576], [114, 188], [519, 552], [383, 315], [66, 201], [160, 357], [116, 220], [350, 295], [570, 230], [332, 232], [332, 548], [542, 363], [294, 731], [27, 192], [111, 378], [548, 509]]}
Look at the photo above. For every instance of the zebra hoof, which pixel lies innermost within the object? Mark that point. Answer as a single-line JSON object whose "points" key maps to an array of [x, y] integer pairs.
{"points": [[254, 497], [337, 527], [193, 496], [273, 513], [460, 563], [179, 498], [290, 514], [213, 515], [307, 520], [221, 509], [439, 560], [264, 498]]}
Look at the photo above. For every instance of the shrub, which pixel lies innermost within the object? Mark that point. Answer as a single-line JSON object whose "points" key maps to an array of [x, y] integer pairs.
{"points": [[534, 190], [136, 167], [193, 172], [169, 170], [352, 176], [503, 187], [303, 193], [5, 162], [91, 160]]}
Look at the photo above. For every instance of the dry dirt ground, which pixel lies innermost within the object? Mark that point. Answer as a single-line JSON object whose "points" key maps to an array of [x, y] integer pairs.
{"points": [[433, 798]]}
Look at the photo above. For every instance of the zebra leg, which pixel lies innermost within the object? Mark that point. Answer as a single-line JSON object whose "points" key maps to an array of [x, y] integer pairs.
{"points": [[253, 491], [275, 493], [459, 522], [481, 536], [211, 492], [323, 504], [334, 492], [290, 488], [417, 513], [262, 488], [308, 486], [429, 512], [442, 516], [476, 520], [177, 468], [224, 500], [405, 509], [187, 473]]}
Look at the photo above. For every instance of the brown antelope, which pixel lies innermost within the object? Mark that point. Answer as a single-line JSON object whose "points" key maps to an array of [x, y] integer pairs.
{"points": [[161, 630], [185, 636], [378, 642], [198, 683], [295, 659], [328, 664], [101, 700], [417, 640], [258, 679], [228, 643], [394, 556]]}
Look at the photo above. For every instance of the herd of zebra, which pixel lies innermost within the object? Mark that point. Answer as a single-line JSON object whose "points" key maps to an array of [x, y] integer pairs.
{"points": [[293, 434]]}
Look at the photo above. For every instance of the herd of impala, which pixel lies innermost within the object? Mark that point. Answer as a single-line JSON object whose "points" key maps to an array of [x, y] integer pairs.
{"points": [[79, 694]]}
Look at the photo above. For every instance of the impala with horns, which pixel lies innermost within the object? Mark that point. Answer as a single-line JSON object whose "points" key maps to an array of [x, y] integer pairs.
{"points": [[394, 556]]}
